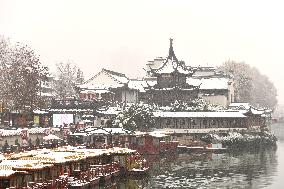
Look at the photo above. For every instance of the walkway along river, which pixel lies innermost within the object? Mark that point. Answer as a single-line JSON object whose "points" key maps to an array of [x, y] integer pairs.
{"points": [[263, 168]]}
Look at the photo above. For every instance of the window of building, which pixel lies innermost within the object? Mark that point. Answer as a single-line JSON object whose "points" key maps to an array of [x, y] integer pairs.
{"points": [[168, 121], [182, 121], [102, 122], [141, 141]]}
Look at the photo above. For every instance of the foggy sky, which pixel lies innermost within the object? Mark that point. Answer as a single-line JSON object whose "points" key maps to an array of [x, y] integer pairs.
{"points": [[123, 35]]}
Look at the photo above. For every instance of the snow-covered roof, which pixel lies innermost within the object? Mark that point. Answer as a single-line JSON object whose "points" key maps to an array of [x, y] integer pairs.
{"points": [[198, 114], [40, 112], [95, 91], [158, 134], [110, 111], [79, 134], [107, 131], [88, 115], [117, 130], [10, 132], [139, 85], [97, 81], [171, 66], [208, 83], [6, 172], [41, 158], [208, 130], [118, 150], [99, 131], [117, 76], [237, 105], [204, 71], [70, 110], [97, 86]]}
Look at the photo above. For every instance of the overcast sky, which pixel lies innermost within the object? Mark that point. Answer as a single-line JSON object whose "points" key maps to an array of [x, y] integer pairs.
{"points": [[123, 35]]}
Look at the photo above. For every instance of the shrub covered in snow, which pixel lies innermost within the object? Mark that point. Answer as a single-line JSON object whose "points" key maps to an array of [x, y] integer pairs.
{"points": [[241, 140], [135, 116], [198, 104]]}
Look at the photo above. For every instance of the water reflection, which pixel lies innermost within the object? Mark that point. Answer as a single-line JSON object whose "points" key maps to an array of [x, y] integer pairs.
{"points": [[239, 169], [229, 170], [245, 170]]}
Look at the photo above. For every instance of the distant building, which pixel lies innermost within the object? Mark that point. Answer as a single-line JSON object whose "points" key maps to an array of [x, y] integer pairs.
{"points": [[189, 82], [108, 86], [167, 81]]}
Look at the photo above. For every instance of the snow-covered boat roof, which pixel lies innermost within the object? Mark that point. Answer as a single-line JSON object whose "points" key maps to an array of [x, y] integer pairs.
{"points": [[42, 158], [70, 110], [199, 114]]}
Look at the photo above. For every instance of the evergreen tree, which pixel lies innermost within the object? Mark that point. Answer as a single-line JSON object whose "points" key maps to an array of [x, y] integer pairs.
{"points": [[136, 117]]}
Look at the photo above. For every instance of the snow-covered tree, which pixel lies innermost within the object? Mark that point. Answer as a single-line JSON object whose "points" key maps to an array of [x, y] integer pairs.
{"points": [[179, 106], [250, 85], [198, 104], [136, 117], [68, 75], [263, 91], [21, 74], [4, 59], [242, 79]]}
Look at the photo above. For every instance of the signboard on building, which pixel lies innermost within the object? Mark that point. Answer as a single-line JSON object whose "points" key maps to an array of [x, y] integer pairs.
{"points": [[62, 119], [36, 120]]}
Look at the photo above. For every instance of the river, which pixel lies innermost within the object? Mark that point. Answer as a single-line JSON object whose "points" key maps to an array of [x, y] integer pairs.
{"points": [[236, 170]]}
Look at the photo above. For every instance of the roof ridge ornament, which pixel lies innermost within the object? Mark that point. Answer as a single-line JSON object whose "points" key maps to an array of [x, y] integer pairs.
{"points": [[172, 55]]}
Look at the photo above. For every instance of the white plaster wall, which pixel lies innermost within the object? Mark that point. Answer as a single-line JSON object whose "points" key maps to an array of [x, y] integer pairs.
{"points": [[216, 99], [204, 73], [231, 93]]}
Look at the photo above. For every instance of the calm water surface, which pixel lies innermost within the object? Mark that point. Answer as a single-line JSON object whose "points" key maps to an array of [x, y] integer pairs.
{"points": [[241, 169]]}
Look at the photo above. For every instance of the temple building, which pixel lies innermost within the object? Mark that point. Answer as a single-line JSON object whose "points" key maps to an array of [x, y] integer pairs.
{"points": [[167, 80]]}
